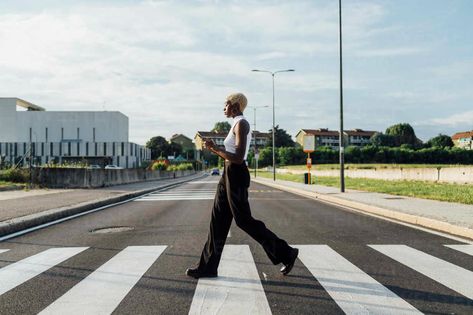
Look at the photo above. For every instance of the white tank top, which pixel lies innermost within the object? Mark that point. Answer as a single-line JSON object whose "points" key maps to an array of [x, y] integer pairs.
{"points": [[229, 141]]}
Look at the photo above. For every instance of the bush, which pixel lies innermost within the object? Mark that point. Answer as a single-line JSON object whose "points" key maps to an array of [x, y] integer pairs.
{"points": [[15, 175], [159, 165]]}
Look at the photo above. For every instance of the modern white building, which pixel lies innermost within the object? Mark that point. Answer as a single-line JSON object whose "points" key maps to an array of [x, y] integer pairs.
{"points": [[61, 136]]}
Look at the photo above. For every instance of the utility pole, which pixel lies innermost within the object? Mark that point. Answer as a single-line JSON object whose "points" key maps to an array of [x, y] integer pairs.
{"points": [[342, 153]]}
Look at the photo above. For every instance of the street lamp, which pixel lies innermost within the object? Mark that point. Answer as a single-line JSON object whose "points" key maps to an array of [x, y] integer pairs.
{"points": [[272, 74], [254, 134], [342, 155]]}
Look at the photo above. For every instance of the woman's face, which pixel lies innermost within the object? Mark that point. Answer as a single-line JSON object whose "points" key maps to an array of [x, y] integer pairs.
{"points": [[229, 109]]}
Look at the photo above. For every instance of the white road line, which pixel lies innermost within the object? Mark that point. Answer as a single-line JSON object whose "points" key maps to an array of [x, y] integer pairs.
{"points": [[3, 250], [448, 274], [183, 194], [15, 274], [172, 198], [351, 288], [237, 290], [467, 249], [105, 288], [204, 182]]}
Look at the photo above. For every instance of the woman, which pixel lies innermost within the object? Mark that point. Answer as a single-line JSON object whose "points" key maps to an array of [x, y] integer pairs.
{"points": [[231, 200]]}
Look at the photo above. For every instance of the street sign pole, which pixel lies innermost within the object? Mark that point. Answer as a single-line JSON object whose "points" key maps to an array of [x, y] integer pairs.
{"points": [[309, 147]]}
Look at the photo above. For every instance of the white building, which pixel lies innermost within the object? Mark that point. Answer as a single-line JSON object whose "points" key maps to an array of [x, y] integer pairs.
{"points": [[91, 137]]}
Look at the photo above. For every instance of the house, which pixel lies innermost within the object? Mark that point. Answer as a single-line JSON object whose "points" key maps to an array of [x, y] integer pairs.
{"points": [[463, 140], [330, 138], [185, 142]]}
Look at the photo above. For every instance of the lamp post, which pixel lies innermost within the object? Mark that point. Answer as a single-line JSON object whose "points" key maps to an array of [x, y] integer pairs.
{"points": [[342, 153], [272, 75], [254, 134]]}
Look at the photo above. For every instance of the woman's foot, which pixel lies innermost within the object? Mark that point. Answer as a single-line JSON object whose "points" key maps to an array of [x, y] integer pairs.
{"points": [[286, 269], [196, 273]]}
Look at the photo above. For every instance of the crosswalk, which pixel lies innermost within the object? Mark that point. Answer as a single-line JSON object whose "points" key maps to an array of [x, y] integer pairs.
{"points": [[239, 289], [184, 193]]}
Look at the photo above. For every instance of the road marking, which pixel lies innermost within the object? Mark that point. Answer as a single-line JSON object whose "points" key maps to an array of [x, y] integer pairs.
{"points": [[237, 290], [467, 249], [15, 274], [197, 194], [448, 274], [204, 182], [105, 288], [351, 288], [3, 250]]}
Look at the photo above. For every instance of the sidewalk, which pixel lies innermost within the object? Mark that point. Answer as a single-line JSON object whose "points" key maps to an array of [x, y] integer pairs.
{"points": [[20, 209], [451, 218]]}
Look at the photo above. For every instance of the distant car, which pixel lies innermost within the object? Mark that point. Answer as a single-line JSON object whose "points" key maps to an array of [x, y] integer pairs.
{"points": [[94, 166], [113, 167], [215, 171]]}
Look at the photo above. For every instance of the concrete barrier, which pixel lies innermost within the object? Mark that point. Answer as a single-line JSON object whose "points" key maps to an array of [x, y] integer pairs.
{"points": [[94, 178], [463, 175]]}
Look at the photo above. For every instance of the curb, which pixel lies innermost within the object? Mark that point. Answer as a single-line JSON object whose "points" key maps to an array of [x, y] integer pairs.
{"points": [[32, 220], [12, 187], [429, 223]]}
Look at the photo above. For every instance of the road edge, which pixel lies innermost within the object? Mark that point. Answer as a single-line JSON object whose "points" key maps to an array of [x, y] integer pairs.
{"points": [[380, 212], [30, 221]]}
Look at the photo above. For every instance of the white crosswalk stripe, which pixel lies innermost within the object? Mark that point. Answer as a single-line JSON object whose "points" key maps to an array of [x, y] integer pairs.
{"points": [[237, 290], [180, 194], [464, 248], [351, 288], [104, 289], [15, 274], [448, 274]]}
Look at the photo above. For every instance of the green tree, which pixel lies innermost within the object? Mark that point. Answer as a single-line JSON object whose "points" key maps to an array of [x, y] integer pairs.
{"points": [[441, 141], [403, 133], [160, 147], [382, 140], [222, 127], [282, 138]]}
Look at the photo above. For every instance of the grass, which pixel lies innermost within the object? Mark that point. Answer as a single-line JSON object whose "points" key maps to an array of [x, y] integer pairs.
{"points": [[419, 189], [369, 166], [6, 184]]}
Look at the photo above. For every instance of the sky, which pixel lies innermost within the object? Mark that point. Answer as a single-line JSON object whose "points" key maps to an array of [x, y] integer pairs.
{"points": [[168, 65]]}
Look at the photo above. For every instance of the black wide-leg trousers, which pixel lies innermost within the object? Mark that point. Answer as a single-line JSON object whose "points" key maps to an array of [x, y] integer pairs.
{"points": [[231, 202]]}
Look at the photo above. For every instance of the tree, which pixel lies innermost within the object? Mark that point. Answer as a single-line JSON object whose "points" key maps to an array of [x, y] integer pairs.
{"points": [[382, 140], [441, 141], [282, 138], [160, 147], [222, 127], [403, 133]]}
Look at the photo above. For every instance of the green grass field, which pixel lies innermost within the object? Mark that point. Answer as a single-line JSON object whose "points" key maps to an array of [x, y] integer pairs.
{"points": [[369, 166], [427, 190]]}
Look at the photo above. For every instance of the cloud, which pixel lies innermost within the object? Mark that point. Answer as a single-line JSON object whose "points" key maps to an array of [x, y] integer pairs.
{"points": [[465, 118]]}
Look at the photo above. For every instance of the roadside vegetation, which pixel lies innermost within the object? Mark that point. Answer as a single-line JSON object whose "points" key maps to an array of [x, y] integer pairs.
{"points": [[352, 166], [428, 190]]}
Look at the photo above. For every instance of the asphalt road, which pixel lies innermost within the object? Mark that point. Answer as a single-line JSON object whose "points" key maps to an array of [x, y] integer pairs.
{"points": [[348, 263]]}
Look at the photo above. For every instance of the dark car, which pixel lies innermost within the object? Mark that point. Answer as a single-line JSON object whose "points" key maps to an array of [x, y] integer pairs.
{"points": [[215, 171]]}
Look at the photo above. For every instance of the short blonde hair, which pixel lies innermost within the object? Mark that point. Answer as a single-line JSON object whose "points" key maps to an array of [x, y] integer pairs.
{"points": [[239, 98]]}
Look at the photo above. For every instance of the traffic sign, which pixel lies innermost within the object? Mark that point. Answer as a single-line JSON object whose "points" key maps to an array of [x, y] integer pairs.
{"points": [[309, 143]]}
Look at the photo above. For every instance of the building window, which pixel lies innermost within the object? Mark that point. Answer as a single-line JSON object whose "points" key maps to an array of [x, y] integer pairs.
{"points": [[123, 149], [93, 135], [62, 134], [105, 148], [95, 148], [78, 149], [31, 134], [78, 133], [87, 149], [51, 149], [46, 134], [113, 148], [42, 148], [69, 148]]}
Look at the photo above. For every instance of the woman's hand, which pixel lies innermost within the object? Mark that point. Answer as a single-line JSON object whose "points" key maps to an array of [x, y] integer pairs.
{"points": [[209, 144]]}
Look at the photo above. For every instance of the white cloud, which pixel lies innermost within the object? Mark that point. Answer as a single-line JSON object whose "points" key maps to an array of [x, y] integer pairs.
{"points": [[465, 118]]}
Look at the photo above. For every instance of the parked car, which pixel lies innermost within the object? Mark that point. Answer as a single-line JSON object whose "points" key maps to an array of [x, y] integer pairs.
{"points": [[94, 166], [215, 171], [113, 167]]}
